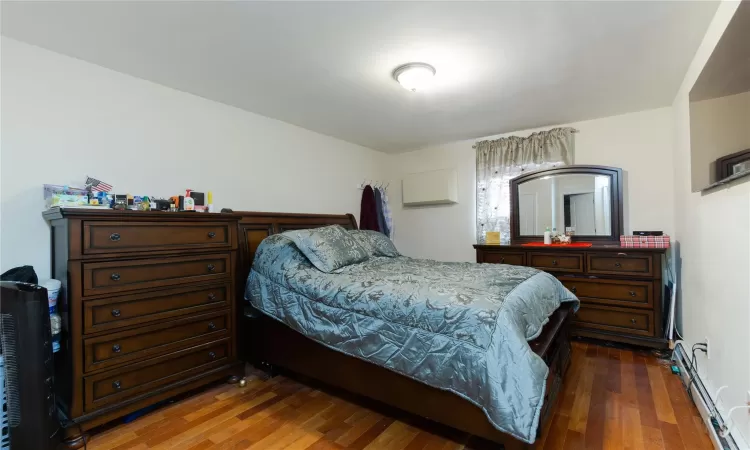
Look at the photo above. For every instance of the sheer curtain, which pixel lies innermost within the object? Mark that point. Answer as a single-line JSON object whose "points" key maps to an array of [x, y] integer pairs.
{"points": [[500, 160]]}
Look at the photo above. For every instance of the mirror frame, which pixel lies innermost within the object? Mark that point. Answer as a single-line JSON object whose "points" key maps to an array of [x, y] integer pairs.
{"points": [[615, 175]]}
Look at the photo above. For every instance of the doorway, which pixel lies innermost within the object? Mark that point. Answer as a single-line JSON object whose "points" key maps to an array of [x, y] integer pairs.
{"points": [[579, 213]]}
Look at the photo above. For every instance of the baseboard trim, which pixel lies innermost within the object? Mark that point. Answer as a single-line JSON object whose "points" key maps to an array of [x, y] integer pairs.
{"points": [[705, 404]]}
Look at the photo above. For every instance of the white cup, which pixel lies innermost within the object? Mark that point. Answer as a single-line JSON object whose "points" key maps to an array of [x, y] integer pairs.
{"points": [[53, 290]]}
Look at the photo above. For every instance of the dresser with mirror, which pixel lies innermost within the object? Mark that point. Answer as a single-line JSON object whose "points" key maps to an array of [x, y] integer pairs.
{"points": [[621, 289]]}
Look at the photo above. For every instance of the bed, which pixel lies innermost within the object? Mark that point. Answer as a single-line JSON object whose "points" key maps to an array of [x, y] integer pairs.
{"points": [[486, 355]]}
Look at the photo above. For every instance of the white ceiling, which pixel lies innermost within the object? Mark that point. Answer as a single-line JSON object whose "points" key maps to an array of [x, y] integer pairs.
{"points": [[326, 66]]}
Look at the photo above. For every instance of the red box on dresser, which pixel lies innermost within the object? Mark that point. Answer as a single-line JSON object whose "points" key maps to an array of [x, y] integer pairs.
{"points": [[644, 241]]}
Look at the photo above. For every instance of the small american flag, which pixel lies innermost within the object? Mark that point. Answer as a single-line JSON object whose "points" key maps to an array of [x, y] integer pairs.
{"points": [[98, 185]]}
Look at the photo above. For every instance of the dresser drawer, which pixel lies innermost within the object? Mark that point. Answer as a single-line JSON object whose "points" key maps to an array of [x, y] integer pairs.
{"points": [[113, 313], [117, 237], [128, 382], [568, 262], [621, 264], [127, 275], [623, 320], [119, 348], [634, 294], [516, 259]]}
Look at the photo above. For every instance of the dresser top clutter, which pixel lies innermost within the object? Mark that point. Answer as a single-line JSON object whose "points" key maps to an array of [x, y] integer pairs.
{"points": [[109, 213], [148, 312], [615, 248], [622, 289]]}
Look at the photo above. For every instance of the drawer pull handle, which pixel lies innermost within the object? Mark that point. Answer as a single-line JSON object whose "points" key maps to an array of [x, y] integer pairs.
{"points": [[116, 348], [212, 355], [633, 321], [211, 326], [116, 384], [212, 296], [114, 237], [211, 235], [554, 262], [622, 254], [618, 264], [211, 267], [116, 312], [632, 293], [115, 276], [573, 289]]}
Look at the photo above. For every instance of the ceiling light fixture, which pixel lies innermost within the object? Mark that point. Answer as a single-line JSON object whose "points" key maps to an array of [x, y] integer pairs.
{"points": [[414, 76]]}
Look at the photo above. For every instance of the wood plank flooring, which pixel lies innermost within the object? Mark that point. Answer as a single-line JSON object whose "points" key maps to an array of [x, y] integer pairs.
{"points": [[612, 399]]}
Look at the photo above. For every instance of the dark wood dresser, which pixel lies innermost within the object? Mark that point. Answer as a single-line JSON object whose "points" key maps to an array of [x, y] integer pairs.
{"points": [[621, 289], [148, 312]]}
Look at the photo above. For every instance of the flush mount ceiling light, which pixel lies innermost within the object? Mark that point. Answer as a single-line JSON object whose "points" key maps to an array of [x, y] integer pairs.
{"points": [[414, 76]]}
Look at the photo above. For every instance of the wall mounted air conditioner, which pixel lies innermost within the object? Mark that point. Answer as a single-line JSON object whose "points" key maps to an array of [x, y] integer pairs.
{"points": [[438, 187]]}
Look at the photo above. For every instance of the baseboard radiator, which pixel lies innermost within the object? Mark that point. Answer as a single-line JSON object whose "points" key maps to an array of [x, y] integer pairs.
{"points": [[708, 411]]}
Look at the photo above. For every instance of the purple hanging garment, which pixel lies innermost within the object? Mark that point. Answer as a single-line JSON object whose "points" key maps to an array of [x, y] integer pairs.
{"points": [[368, 214]]}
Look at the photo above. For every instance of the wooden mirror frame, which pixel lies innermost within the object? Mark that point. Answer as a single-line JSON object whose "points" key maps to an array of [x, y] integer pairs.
{"points": [[616, 226]]}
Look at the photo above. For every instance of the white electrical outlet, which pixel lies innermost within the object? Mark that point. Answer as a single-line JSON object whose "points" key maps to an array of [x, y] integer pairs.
{"points": [[708, 349]]}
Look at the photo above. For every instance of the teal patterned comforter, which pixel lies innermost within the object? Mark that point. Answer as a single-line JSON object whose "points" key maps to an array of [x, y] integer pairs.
{"points": [[460, 327]]}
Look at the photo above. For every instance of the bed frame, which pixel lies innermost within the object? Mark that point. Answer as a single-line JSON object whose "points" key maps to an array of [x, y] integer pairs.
{"points": [[271, 345]]}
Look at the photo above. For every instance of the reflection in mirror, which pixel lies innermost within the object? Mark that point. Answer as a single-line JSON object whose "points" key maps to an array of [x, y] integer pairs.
{"points": [[580, 203]]}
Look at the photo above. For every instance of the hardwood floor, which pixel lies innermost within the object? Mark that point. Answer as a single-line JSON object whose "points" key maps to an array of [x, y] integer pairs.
{"points": [[613, 399]]}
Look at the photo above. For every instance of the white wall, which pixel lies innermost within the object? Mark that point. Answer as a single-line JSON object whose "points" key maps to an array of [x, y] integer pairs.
{"points": [[639, 143], [718, 127], [63, 119], [713, 231]]}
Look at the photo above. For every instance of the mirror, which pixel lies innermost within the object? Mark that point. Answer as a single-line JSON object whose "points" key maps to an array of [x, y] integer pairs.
{"points": [[585, 200], [575, 202], [720, 109]]}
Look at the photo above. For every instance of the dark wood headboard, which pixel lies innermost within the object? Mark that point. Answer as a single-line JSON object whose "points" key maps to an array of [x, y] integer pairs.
{"points": [[255, 226]]}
